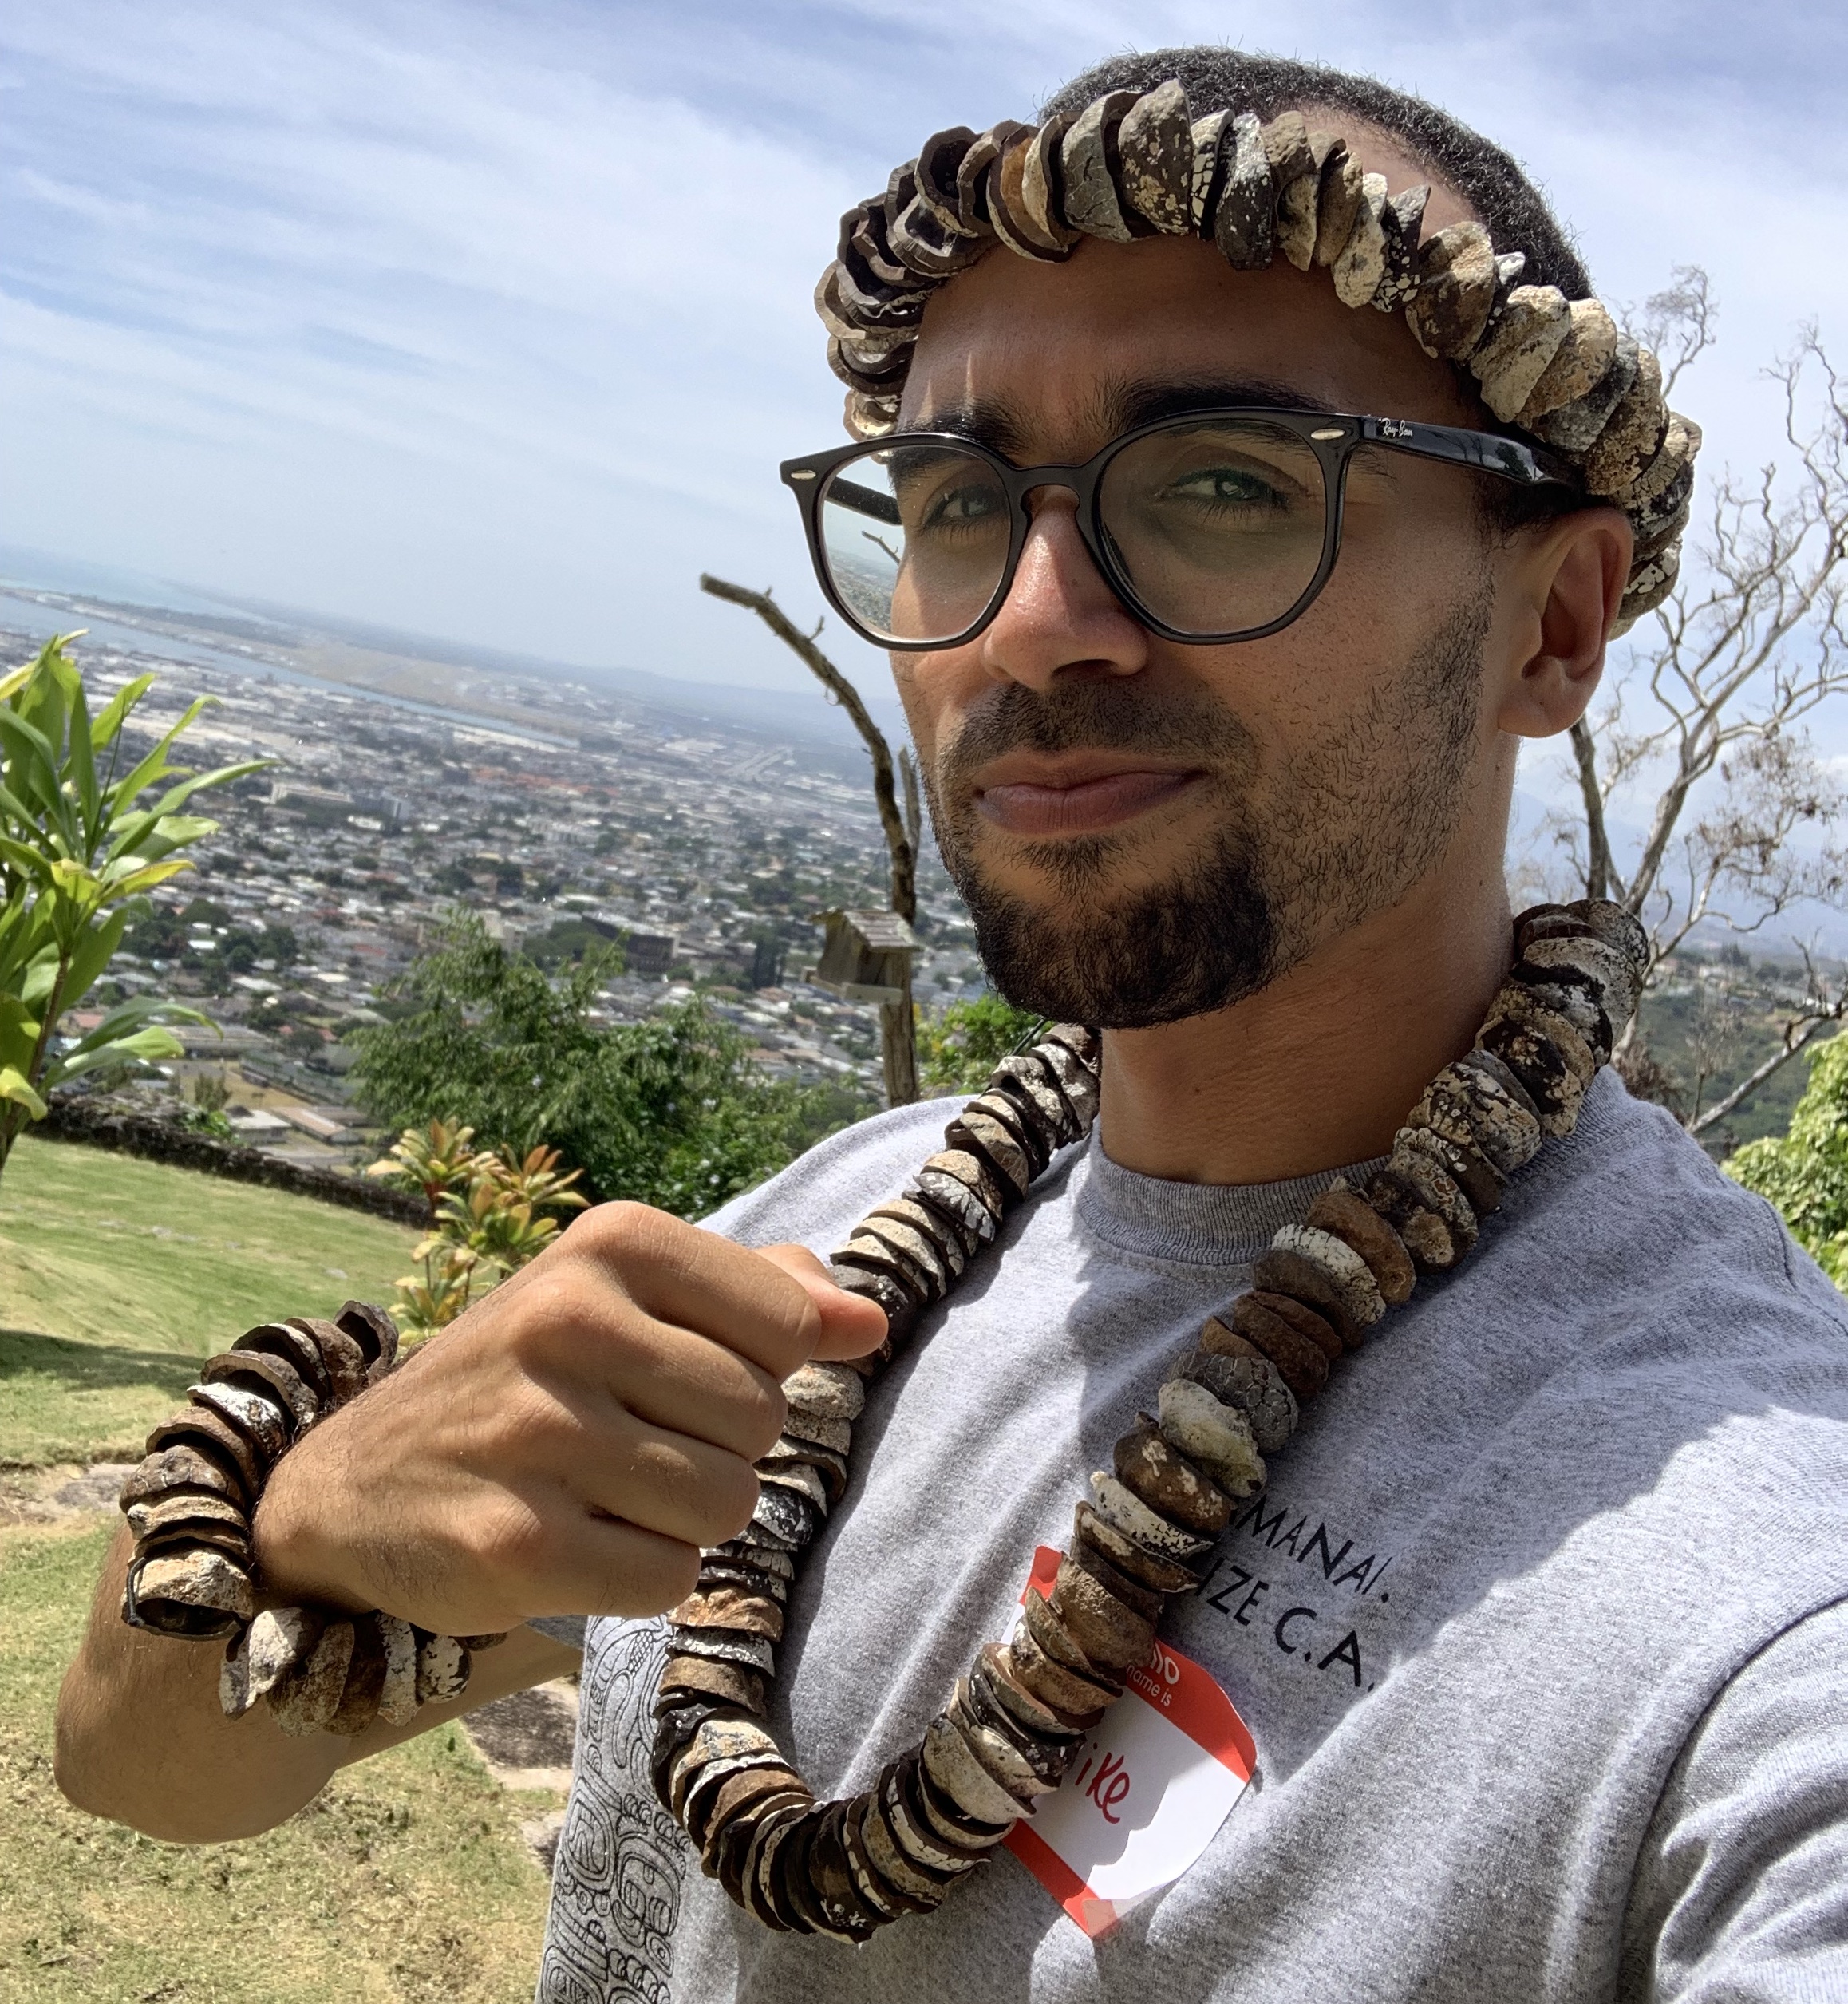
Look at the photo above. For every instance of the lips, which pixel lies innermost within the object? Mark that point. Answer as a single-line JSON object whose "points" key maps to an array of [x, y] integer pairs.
{"points": [[1080, 804]]}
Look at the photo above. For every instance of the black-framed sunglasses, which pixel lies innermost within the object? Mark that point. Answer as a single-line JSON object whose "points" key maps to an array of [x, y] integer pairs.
{"points": [[1215, 526]]}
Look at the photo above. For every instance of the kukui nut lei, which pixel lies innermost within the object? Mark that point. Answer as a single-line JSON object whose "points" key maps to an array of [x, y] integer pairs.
{"points": [[1560, 372], [190, 1504], [1148, 1527], [1147, 1531]]}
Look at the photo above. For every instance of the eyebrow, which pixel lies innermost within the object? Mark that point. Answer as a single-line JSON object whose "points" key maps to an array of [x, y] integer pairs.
{"points": [[1003, 425]]}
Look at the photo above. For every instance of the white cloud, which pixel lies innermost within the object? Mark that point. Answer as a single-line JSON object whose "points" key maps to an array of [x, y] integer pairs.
{"points": [[493, 320]]}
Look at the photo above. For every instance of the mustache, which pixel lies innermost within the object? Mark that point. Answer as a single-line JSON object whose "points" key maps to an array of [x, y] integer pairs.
{"points": [[1114, 714]]}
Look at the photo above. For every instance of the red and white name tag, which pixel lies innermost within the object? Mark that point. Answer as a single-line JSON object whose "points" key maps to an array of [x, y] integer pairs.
{"points": [[1150, 1786]]}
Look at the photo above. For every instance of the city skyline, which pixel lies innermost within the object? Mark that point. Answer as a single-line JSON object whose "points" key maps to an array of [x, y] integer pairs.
{"points": [[492, 323]]}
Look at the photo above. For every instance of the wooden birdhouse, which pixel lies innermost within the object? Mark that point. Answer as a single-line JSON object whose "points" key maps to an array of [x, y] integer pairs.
{"points": [[865, 956]]}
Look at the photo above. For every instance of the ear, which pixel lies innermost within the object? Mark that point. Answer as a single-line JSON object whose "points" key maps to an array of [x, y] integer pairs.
{"points": [[1564, 585]]}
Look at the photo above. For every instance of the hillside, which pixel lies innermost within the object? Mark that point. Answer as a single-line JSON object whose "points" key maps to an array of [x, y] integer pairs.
{"points": [[118, 1276]]}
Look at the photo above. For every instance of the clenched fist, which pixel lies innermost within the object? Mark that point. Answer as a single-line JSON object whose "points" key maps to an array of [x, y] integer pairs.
{"points": [[569, 1444]]}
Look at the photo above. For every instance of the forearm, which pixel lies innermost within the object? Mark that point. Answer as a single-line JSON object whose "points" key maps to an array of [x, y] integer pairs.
{"points": [[142, 1741]]}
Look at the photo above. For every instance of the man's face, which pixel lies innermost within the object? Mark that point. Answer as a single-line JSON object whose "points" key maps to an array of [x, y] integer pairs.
{"points": [[1145, 830]]}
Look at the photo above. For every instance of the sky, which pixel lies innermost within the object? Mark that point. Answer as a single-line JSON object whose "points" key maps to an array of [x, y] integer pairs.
{"points": [[492, 319]]}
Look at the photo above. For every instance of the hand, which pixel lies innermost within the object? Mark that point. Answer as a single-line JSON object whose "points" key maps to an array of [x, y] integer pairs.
{"points": [[567, 1445]]}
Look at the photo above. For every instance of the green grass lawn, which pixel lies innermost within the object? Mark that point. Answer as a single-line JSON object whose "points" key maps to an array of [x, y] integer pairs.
{"points": [[118, 1276], [404, 1880]]}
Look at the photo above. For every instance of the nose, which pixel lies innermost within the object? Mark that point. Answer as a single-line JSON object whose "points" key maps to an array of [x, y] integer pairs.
{"points": [[1060, 616]]}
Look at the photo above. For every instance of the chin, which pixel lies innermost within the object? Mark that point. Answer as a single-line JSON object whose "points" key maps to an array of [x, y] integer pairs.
{"points": [[1134, 960]]}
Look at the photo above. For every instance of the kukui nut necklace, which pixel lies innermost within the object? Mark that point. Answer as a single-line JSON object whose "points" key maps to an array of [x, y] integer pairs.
{"points": [[1147, 1531]]}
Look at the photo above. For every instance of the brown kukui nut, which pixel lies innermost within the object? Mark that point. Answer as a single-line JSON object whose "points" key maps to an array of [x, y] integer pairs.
{"points": [[1302, 1318], [1087, 1553], [1169, 1483], [1303, 1366], [1066, 1690], [374, 1331], [1161, 1575], [1471, 1171], [733, 1683], [1435, 1243], [365, 1677], [341, 1356], [1112, 1636], [310, 1695], [270, 1377], [186, 1465], [1286, 1270], [1253, 1384], [214, 1435], [1338, 1209], [726, 1608], [259, 1416]]}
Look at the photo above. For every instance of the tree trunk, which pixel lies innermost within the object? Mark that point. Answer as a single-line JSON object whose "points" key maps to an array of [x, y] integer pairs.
{"points": [[897, 1033], [1598, 870]]}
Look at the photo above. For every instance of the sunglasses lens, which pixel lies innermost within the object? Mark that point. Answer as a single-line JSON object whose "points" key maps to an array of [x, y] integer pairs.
{"points": [[1218, 526], [915, 540]]}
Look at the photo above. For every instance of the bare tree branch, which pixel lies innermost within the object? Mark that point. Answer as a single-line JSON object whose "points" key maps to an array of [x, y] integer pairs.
{"points": [[1800, 1030], [900, 830], [1677, 323], [913, 813], [1703, 735], [1600, 878]]}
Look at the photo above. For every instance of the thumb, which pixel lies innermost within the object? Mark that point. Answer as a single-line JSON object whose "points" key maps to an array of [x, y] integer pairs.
{"points": [[851, 1325]]}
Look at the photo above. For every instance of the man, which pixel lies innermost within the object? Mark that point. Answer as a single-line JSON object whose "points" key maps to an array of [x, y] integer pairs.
{"points": [[1537, 1630]]}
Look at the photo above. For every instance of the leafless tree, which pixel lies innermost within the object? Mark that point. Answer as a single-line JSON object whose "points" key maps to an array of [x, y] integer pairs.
{"points": [[1702, 736], [902, 825], [1713, 1039]]}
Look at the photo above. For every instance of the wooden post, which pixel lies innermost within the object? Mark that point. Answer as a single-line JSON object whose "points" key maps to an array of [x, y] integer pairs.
{"points": [[898, 1044]]}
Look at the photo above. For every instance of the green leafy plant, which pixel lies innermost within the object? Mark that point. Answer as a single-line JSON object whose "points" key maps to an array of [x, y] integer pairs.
{"points": [[669, 1112], [79, 846], [489, 1220], [434, 1161], [959, 1045], [1804, 1172], [204, 1120]]}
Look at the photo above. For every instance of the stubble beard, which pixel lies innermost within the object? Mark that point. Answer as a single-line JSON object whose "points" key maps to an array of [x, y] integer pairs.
{"points": [[1299, 854]]}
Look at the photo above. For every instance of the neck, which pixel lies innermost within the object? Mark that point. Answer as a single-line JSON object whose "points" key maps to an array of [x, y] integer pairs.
{"points": [[1320, 1069]]}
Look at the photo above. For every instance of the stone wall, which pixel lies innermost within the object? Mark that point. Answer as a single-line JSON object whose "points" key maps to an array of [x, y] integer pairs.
{"points": [[74, 1119]]}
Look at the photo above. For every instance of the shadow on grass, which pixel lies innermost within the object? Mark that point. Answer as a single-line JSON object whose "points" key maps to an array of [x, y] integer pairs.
{"points": [[92, 1367]]}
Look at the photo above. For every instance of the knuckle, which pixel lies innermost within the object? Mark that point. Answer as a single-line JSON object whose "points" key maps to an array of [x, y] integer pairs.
{"points": [[710, 1498], [658, 1577], [505, 1536], [730, 1498], [799, 1334], [680, 1571], [547, 1325], [761, 1410], [623, 1230]]}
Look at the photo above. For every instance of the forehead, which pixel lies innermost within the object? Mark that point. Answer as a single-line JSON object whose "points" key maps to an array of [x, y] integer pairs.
{"points": [[1061, 346]]}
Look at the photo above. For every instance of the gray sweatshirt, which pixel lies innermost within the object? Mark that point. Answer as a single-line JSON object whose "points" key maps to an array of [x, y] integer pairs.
{"points": [[1541, 1630]]}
